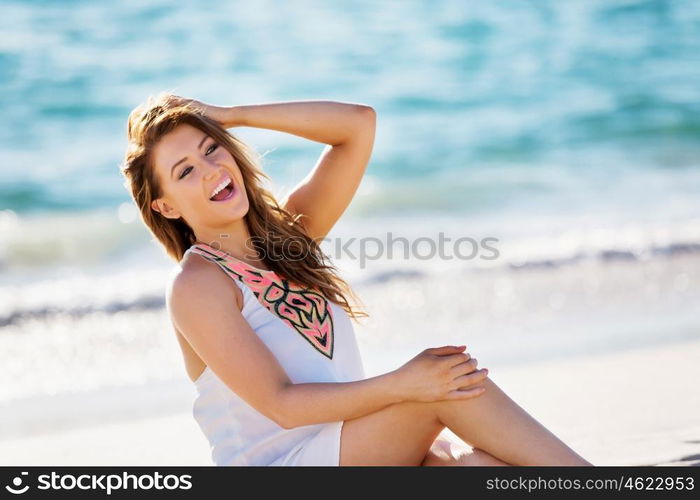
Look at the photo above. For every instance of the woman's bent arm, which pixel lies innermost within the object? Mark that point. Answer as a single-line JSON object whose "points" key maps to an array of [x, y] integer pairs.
{"points": [[202, 305], [325, 121], [313, 403], [348, 129], [435, 374]]}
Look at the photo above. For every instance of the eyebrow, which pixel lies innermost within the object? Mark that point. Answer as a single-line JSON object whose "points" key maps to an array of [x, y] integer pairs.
{"points": [[172, 169]]}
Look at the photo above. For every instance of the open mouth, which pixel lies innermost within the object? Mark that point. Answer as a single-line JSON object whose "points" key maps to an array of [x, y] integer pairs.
{"points": [[223, 192]]}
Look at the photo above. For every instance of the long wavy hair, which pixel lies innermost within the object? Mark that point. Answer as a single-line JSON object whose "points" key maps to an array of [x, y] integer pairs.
{"points": [[273, 230]]}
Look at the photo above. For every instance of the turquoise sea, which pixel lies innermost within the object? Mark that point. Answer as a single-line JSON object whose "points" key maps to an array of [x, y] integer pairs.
{"points": [[571, 108], [568, 130]]}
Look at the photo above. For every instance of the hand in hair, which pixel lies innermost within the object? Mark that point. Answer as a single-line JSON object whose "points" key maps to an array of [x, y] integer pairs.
{"points": [[225, 115]]}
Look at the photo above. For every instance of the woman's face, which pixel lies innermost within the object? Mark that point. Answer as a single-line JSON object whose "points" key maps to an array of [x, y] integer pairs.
{"points": [[192, 167]]}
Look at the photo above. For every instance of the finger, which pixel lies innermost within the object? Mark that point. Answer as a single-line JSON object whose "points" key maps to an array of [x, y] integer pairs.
{"points": [[469, 380], [463, 368], [446, 349], [454, 359], [173, 98], [466, 393]]}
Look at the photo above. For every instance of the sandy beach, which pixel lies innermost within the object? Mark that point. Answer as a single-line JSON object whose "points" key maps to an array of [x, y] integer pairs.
{"points": [[634, 408], [602, 353]]}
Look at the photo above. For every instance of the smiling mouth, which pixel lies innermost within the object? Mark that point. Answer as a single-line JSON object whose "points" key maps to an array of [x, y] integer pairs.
{"points": [[225, 194]]}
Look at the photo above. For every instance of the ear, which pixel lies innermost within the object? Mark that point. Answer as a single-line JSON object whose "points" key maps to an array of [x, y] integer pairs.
{"points": [[165, 209]]}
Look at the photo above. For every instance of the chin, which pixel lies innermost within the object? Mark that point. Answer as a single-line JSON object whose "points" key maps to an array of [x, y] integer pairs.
{"points": [[232, 212]]}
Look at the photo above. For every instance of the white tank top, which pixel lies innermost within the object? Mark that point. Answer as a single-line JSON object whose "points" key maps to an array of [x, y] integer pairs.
{"points": [[311, 337]]}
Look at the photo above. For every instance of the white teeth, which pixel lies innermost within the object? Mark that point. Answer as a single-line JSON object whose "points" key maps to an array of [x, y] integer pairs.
{"points": [[221, 186]]}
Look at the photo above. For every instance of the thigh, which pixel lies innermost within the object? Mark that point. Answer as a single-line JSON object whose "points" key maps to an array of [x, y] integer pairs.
{"points": [[400, 434]]}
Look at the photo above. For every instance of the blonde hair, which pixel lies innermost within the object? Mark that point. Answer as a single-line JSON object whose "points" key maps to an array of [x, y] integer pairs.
{"points": [[271, 227]]}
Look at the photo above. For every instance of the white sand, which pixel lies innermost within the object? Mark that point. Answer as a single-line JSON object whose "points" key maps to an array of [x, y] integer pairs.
{"points": [[633, 408], [639, 407], [170, 440]]}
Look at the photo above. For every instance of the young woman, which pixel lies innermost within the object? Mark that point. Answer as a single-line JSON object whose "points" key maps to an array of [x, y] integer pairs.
{"points": [[264, 322]]}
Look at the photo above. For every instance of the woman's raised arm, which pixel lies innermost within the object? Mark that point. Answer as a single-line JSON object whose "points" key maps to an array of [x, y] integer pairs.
{"points": [[347, 128]]}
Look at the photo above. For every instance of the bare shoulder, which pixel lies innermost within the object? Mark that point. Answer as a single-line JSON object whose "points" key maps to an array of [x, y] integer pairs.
{"points": [[198, 275], [200, 294], [201, 303]]}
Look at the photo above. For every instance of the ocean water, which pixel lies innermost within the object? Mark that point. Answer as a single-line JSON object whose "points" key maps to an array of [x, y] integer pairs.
{"points": [[563, 129], [568, 131]]}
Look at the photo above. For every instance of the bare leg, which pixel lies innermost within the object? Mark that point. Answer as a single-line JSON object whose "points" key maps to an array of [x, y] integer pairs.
{"points": [[403, 433], [496, 424], [400, 434]]}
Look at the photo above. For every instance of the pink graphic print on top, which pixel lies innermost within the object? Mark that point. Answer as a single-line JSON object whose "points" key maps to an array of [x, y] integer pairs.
{"points": [[303, 309]]}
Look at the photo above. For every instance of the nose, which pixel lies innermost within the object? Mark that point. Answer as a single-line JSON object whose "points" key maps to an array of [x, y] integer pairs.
{"points": [[212, 172]]}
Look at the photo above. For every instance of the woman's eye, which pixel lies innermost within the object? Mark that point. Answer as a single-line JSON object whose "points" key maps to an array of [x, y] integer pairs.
{"points": [[211, 149], [185, 172]]}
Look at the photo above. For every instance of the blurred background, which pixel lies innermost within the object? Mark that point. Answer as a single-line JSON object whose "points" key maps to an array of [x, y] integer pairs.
{"points": [[568, 131]]}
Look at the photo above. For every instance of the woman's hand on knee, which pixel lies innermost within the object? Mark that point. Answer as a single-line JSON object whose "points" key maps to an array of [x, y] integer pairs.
{"points": [[440, 373]]}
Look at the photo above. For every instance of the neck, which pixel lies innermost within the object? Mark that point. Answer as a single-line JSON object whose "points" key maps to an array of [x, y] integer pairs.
{"points": [[231, 238]]}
